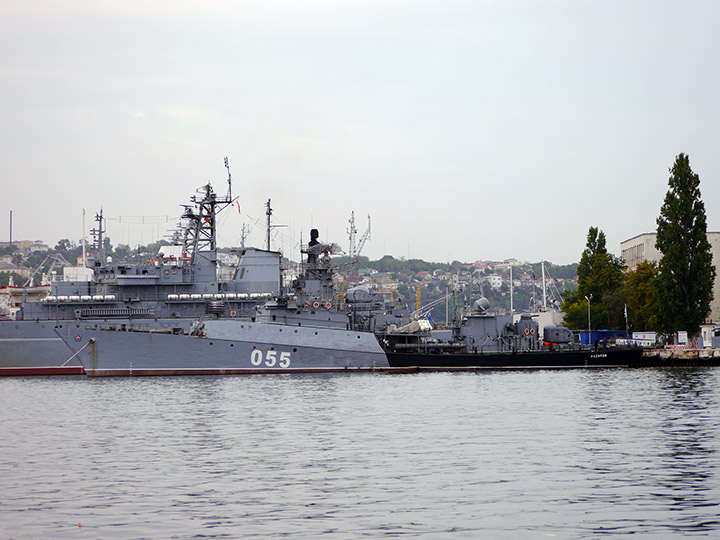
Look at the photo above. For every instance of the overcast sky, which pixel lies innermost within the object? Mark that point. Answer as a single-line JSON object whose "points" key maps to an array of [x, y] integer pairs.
{"points": [[466, 129]]}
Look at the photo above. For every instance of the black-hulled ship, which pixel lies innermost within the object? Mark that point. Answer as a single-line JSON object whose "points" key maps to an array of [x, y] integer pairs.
{"points": [[479, 339]]}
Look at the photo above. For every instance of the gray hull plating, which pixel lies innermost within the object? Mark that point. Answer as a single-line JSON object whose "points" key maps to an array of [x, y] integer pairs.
{"points": [[34, 348], [225, 347]]}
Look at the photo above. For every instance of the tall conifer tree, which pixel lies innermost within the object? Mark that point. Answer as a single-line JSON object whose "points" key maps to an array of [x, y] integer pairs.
{"points": [[686, 272], [600, 278]]}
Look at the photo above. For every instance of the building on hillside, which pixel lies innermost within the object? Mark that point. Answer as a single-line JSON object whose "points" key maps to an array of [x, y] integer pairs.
{"points": [[26, 245], [642, 248], [38, 246], [9, 268], [494, 281]]}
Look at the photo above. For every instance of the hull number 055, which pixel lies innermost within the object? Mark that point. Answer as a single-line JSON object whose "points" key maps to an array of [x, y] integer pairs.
{"points": [[270, 359]]}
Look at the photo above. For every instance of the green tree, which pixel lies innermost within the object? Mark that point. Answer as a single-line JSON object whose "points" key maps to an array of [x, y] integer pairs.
{"points": [[6, 250], [64, 246], [122, 252], [640, 295], [686, 272], [17, 279], [600, 279]]}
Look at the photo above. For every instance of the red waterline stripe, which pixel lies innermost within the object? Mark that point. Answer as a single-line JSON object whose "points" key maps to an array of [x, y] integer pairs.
{"points": [[44, 370]]}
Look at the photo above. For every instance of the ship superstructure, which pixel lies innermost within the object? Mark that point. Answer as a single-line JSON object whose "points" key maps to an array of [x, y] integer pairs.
{"points": [[168, 291]]}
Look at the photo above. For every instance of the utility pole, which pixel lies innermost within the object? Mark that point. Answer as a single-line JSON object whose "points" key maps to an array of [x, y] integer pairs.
{"points": [[588, 298], [268, 213], [511, 291], [543, 285]]}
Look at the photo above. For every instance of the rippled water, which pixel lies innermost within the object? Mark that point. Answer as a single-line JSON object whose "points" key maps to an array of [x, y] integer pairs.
{"points": [[576, 454]]}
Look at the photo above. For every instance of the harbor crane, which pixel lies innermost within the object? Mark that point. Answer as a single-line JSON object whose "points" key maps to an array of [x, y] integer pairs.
{"points": [[356, 246]]}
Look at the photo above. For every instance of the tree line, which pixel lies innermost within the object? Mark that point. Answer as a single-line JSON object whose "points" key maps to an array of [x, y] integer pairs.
{"points": [[672, 295]]}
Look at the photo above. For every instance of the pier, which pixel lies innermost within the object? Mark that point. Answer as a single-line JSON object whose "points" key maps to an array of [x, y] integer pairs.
{"points": [[676, 357]]}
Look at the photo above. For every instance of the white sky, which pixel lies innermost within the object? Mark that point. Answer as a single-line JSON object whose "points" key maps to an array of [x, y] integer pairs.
{"points": [[465, 129]]}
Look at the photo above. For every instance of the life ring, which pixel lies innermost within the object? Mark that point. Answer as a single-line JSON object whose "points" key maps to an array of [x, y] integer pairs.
{"points": [[527, 331], [532, 330], [328, 305], [316, 304], [233, 313]]}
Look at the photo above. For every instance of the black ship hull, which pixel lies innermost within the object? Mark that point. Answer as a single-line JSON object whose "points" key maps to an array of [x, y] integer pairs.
{"points": [[631, 357]]}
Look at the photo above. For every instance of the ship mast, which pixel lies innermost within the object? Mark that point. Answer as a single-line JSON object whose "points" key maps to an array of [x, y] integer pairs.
{"points": [[268, 213], [97, 234], [543, 287], [84, 242], [229, 193], [201, 231], [270, 226]]}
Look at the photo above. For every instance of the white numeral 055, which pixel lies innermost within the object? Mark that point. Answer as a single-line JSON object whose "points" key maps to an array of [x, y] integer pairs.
{"points": [[270, 359]]}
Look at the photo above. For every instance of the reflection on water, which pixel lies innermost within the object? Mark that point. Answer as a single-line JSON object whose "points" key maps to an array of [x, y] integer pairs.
{"points": [[576, 454]]}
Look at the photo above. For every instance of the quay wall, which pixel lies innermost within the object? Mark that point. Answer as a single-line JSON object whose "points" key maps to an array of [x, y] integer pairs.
{"points": [[681, 357]]}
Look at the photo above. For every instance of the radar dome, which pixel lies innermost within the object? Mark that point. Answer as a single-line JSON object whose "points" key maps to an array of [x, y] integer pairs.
{"points": [[481, 305]]}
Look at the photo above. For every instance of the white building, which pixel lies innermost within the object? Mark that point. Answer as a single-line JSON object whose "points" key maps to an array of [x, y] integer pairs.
{"points": [[642, 248], [494, 281], [38, 246]]}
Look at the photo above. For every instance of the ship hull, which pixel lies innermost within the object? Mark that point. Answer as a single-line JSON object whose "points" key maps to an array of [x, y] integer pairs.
{"points": [[526, 359], [226, 347], [34, 348]]}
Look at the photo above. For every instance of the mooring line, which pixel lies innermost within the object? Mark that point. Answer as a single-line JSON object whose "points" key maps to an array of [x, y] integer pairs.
{"points": [[74, 355]]}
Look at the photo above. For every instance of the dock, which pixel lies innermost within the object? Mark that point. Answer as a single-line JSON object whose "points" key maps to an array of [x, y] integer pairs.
{"points": [[680, 357]]}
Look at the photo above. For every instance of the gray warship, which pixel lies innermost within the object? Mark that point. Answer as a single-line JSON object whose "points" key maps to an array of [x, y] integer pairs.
{"points": [[169, 291], [305, 327]]}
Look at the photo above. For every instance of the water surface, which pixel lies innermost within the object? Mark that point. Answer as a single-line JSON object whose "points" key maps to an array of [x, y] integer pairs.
{"points": [[520, 454]]}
